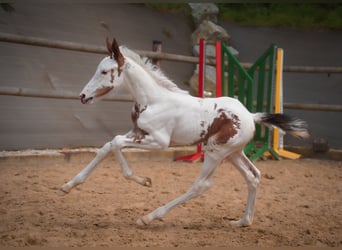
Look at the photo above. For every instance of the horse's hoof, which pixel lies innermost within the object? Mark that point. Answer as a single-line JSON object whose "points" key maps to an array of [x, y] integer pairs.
{"points": [[147, 182], [63, 190], [240, 223], [142, 222]]}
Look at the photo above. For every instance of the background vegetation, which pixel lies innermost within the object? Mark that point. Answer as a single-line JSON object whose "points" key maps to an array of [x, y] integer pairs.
{"points": [[299, 15]]}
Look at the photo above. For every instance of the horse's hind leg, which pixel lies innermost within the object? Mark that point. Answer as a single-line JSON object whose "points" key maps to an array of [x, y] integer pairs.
{"points": [[252, 176], [201, 185]]}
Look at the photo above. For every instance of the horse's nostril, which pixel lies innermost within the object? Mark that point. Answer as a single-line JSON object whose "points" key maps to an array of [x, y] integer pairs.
{"points": [[82, 96]]}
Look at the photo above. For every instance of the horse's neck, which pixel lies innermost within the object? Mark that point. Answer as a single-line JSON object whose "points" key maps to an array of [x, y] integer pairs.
{"points": [[141, 84]]}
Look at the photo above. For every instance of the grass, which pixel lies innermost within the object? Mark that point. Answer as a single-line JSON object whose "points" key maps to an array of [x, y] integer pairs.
{"points": [[299, 15], [171, 7]]}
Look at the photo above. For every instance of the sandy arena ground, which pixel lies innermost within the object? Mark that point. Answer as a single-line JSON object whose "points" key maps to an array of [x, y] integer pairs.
{"points": [[299, 204]]}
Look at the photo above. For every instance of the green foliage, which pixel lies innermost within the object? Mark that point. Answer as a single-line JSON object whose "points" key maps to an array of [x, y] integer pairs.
{"points": [[310, 16], [7, 7], [301, 15], [171, 7]]}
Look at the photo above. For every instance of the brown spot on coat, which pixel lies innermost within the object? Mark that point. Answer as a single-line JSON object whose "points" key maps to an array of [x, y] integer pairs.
{"points": [[137, 133], [222, 127]]}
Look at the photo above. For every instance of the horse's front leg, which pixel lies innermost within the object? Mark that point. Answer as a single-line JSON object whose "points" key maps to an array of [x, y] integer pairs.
{"points": [[116, 145], [82, 176], [126, 170], [147, 142]]}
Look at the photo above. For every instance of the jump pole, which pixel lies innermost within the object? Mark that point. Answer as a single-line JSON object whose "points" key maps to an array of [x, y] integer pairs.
{"points": [[278, 108], [199, 155], [218, 69]]}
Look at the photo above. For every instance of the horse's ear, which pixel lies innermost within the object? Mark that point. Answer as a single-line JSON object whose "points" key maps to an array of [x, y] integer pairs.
{"points": [[117, 55], [109, 48]]}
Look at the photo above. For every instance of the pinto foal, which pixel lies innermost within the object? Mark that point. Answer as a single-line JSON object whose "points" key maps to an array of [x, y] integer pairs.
{"points": [[163, 114]]}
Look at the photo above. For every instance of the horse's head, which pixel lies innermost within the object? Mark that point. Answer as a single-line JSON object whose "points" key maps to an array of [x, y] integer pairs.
{"points": [[107, 75]]}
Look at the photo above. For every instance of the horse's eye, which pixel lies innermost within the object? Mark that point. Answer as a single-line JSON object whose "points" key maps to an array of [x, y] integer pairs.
{"points": [[103, 72]]}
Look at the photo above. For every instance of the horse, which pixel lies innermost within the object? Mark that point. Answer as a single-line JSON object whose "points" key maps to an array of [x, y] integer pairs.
{"points": [[164, 115]]}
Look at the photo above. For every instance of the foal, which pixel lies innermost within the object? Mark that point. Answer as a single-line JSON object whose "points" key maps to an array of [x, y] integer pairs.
{"points": [[163, 114]]}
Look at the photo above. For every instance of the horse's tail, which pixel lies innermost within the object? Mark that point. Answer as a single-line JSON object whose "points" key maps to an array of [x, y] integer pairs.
{"points": [[293, 126]]}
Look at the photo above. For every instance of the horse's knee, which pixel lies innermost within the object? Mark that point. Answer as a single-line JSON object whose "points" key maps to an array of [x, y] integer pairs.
{"points": [[104, 150], [116, 143]]}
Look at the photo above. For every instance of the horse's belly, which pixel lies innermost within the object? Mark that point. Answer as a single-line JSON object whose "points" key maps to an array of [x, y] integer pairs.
{"points": [[187, 132]]}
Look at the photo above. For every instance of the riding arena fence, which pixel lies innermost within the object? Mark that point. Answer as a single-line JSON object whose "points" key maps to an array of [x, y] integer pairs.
{"points": [[57, 44], [258, 86]]}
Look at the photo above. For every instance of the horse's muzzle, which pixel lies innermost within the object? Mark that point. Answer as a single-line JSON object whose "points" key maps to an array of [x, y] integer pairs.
{"points": [[85, 100]]}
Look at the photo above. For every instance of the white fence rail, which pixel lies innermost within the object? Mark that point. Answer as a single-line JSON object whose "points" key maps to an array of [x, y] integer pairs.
{"points": [[35, 41]]}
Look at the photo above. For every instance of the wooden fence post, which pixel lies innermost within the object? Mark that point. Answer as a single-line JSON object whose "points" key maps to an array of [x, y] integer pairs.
{"points": [[156, 47]]}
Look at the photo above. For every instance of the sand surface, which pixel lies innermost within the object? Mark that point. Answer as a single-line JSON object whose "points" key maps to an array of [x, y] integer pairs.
{"points": [[299, 204]]}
